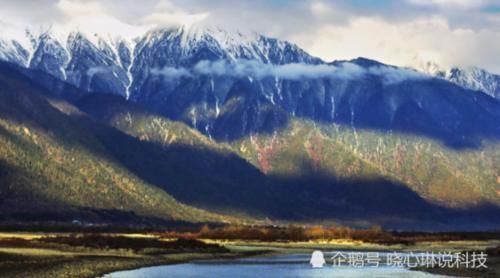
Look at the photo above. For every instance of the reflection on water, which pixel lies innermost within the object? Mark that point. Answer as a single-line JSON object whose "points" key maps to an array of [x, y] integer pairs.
{"points": [[292, 265]]}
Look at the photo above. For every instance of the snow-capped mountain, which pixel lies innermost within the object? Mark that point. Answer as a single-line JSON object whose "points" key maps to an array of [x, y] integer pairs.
{"points": [[473, 78], [125, 65], [104, 63], [230, 84], [90, 63]]}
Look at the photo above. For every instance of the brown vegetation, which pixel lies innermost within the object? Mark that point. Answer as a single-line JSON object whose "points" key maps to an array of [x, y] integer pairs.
{"points": [[115, 242], [279, 233], [374, 234]]}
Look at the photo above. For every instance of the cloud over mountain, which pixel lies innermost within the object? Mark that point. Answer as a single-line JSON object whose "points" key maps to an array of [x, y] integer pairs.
{"points": [[295, 71]]}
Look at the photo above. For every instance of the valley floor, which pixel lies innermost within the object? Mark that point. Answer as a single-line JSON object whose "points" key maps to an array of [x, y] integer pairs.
{"points": [[76, 255], [30, 255]]}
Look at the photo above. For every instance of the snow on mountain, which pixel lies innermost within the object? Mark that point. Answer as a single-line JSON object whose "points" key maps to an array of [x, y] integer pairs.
{"points": [[15, 43], [473, 78], [476, 79], [95, 58]]}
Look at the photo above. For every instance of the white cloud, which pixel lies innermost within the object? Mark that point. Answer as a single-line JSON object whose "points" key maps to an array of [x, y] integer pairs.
{"points": [[465, 4], [297, 71], [168, 14], [392, 75], [171, 73], [428, 38], [91, 17], [74, 8], [244, 68], [173, 19]]}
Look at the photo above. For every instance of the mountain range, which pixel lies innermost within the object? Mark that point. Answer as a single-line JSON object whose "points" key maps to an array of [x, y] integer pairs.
{"points": [[202, 124]]}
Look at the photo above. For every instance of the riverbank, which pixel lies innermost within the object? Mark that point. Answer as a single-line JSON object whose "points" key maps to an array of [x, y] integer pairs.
{"points": [[93, 255], [56, 255]]}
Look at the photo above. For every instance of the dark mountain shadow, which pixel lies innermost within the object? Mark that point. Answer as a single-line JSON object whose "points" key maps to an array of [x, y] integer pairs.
{"points": [[319, 198], [245, 111], [200, 176], [423, 106], [459, 118], [50, 85]]}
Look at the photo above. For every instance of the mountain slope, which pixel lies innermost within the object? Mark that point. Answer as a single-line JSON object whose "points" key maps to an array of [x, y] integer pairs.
{"points": [[52, 164], [181, 160], [448, 177], [254, 126], [322, 173]]}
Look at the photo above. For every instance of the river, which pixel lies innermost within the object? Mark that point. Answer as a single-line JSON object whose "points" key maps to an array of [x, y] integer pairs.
{"points": [[289, 265]]}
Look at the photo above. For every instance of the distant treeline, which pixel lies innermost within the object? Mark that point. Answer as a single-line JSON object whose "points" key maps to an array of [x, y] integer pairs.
{"points": [[283, 233], [375, 234]]}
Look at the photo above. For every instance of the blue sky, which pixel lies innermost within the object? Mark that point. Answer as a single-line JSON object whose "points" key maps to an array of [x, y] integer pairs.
{"points": [[404, 32]]}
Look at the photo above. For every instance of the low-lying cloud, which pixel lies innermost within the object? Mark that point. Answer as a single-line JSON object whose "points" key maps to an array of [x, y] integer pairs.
{"points": [[171, 73], [391, 75], [294, 71], [258, 70]]}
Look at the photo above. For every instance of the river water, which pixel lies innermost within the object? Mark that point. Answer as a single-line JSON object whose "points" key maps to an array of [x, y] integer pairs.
{"points": [[289, 265]]}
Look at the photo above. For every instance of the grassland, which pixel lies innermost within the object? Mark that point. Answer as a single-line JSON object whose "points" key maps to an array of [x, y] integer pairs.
{"points": [[72, 255]]}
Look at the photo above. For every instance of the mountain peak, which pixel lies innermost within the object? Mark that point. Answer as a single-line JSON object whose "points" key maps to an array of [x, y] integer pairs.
{"points": [[471, 77], [366, 62]]}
